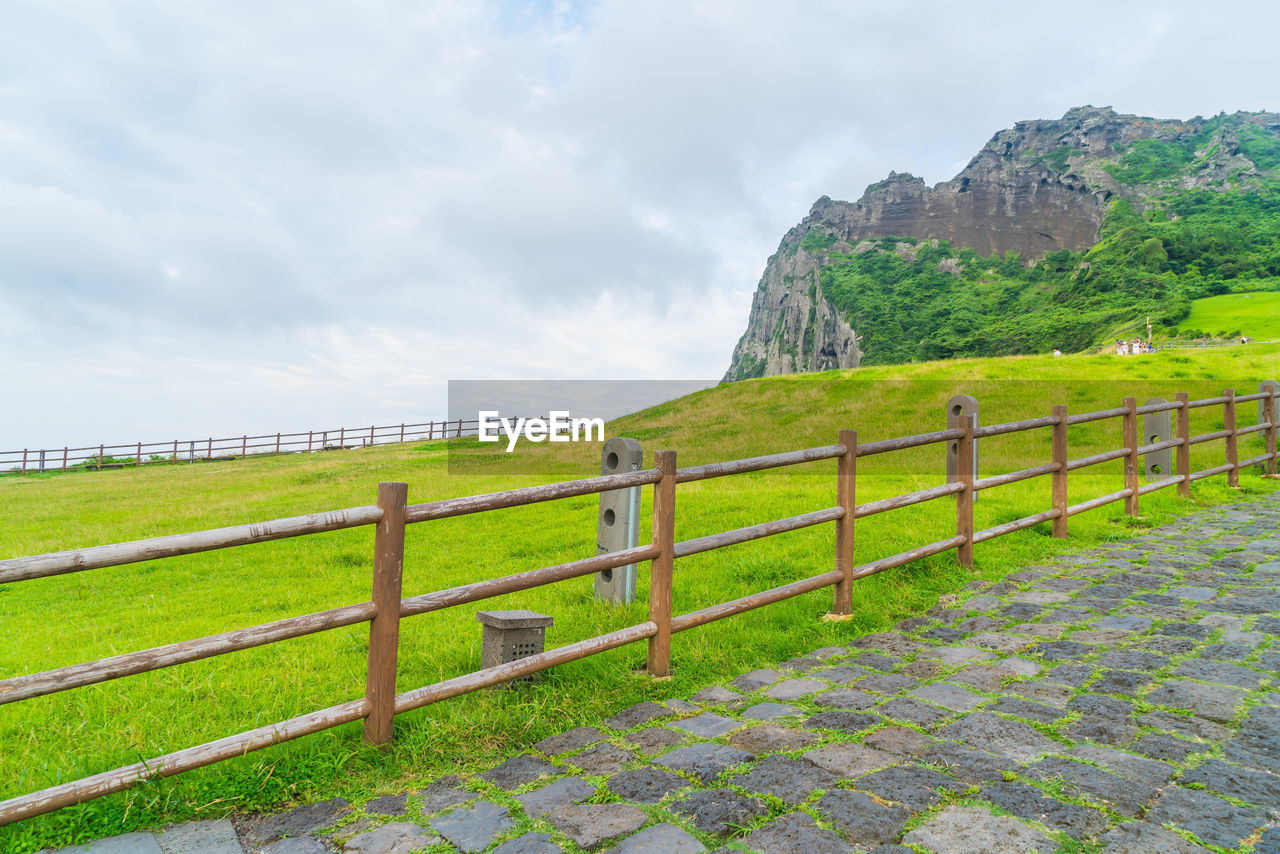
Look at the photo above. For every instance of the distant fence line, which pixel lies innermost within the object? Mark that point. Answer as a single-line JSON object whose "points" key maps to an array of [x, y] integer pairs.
{"points": [[95, 457]]}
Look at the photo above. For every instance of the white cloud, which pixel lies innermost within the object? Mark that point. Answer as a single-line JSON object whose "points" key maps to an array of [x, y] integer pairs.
{"points": [[231, 216]]}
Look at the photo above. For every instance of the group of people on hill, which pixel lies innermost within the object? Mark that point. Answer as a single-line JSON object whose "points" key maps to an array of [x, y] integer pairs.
{"points": [[1133, 348]]}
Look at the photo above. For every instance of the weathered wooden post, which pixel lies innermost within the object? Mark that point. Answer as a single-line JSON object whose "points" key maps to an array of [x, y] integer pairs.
{"points": [[846, 495], [1268, 416], [384, 629], [277, 444], [138, 459], [1060, 476], [244, 446], [1229, 425], [1157, 427], [1184, 446], [64, 457], [1130, 441], [660, 568], [961, 406]]}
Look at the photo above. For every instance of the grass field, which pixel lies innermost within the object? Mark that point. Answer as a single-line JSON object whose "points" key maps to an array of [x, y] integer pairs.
{"points": [[79, 617], [1256, 315]]}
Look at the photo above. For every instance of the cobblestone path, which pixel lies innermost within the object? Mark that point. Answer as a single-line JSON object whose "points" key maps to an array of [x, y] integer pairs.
{"points": [[1121, 701]]}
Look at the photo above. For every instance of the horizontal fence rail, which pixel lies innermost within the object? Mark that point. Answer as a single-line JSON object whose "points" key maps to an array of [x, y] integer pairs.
{"points": [[392, 513], [129, 454]]}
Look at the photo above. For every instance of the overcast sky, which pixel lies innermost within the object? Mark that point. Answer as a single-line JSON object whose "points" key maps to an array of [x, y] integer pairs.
{"points": [[220, 217]]}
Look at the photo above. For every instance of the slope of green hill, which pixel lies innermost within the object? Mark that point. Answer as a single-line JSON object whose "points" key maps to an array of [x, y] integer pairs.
{"points": [[78, 617], [1256, 315]]}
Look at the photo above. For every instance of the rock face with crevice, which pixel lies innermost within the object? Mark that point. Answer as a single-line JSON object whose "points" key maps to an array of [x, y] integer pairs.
{"points": [[1035, 188]]}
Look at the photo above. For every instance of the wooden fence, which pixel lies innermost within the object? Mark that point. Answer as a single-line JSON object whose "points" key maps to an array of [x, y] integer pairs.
{"points": [[101, 456], [380, 703]]}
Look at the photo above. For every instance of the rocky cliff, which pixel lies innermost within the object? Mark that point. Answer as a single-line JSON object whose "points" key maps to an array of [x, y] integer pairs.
{"points": [[1039, 187]]}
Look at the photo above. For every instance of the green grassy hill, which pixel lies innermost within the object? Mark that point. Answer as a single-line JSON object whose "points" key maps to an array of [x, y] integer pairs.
{"points": [[1256, 315], [73, 618]]}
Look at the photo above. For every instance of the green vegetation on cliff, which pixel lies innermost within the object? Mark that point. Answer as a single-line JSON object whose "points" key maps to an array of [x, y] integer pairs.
{"points": [[908, 306]]}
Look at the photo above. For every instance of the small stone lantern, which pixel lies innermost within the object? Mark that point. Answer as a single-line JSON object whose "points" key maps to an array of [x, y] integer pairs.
{"points": [[512, 635]]}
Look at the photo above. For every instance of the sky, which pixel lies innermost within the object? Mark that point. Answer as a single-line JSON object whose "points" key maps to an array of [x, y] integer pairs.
{"points": [[229, 217]]}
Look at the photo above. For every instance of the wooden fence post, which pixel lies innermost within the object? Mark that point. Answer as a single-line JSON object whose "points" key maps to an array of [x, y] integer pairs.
{"points": [[384, 629], [1270, 415], [964, 499], [1060, 476], [661, 567], [64, 457], [342, 438], [371, 435], [138, 461], [1184, 450], [401, 432], [846, 497], [174, 456], [1130, 441], [1229, 424], [310, 434], [277, 444], [244, 446], [209, 450], [24, 460]]}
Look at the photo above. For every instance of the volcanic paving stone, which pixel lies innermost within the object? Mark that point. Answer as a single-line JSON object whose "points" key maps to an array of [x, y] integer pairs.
{"points": [[888, 683], [442, 794], [1027, 709], [1209, 817], [645, 785], [1255, 787], [846, 698], [794, 689], [771, 711], [791, 780], [655, 739], [518, 770], [962, 830], [716, 695], [398, 837], [949, 697], [848, 760], [756, 679], [588, 825], [602, 759], [1170, 646], [1140, 837], [875, 661], [1098, 704], [530, 843], [703, 761], [574, 739], [846, 722], [1028, 802], [908, 784], [473, 828], [708, 725], [898, 739], [296, 822], [1220, 673], [1102, 729], [795, 832], [1147, 771], [659, 839], [952, 656], [1159, 745], [640, 713], [841, 674], [1001, 737], [1187, 725], [387, 805], [292, 845], [1126, 796], [720, 812], [967, 764], [1215, 702], [200, 837], [570, 790], [1061, 650], [1120, 682], [913, 711], [771, 738], [861, 819]]}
